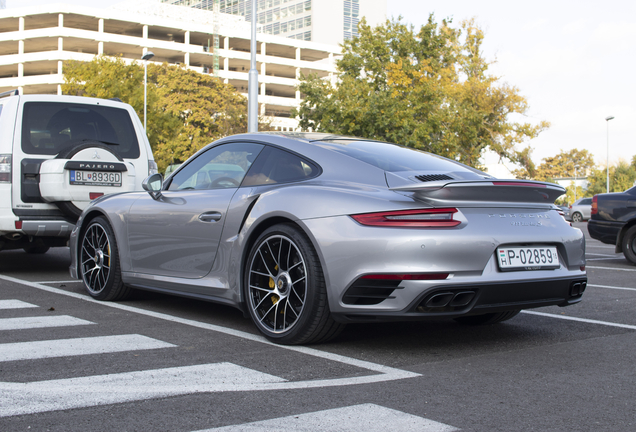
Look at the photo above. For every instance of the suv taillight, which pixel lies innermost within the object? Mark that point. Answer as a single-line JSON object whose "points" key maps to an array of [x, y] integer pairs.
{"points": [[594, 205], [152, 167], [5, 168]]}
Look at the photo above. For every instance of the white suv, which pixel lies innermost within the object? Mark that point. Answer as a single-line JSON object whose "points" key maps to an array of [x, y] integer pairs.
{"points": [[57, 153]]}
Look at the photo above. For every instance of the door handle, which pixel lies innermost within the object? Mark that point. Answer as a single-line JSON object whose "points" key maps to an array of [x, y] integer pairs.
{"points": [[210, 217]]}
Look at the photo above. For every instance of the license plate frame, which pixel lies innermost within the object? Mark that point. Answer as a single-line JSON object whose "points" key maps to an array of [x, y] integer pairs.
{"points": [[528, 258], [95, 178]]}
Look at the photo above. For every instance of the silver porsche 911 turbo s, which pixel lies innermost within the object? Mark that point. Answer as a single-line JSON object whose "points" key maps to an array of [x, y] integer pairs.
{"points": [[307, 232]]}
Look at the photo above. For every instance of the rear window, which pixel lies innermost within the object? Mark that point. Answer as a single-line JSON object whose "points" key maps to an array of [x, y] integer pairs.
{"points": [[393, 157], [50, 127]]}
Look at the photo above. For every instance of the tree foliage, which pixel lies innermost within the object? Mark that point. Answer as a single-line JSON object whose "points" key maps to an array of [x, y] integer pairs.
{"points": [[185, 109], [622, 177], [429, 90], [573, 163]]}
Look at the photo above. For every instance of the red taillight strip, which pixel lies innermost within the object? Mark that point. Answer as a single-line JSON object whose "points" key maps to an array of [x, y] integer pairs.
{"points": [[504, 183], [393, 276], [428, 218], [594, 205]]}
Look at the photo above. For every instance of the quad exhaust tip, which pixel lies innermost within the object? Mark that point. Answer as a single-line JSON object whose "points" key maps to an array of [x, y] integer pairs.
{"points": [[577, 288], [452, 299]]}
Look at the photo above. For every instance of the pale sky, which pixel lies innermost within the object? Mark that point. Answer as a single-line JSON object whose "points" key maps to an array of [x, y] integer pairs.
{"points": [[573, 61]]}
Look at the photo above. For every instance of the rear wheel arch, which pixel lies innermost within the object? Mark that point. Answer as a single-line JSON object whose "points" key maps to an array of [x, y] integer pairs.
{"points": [[621, 234], [628, 243], [247, 247]]}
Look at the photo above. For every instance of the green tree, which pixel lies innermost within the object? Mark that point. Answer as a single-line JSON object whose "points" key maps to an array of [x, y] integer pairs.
{"points": [[573, 163], [622, 177], [185, 110], [429, 90], [206, 108]]}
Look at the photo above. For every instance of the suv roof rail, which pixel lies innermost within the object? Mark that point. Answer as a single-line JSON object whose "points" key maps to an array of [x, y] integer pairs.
{"points": [[15, 92], [116, 99]]}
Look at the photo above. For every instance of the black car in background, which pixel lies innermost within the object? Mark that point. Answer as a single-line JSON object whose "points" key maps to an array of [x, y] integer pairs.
{"points": [[614, 221]]}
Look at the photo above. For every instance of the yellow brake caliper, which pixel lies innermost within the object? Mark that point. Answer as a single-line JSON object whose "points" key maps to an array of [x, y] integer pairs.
{"points": [[272, 285]]}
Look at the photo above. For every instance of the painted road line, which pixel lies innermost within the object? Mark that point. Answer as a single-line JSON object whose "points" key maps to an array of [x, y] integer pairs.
{"points": [[70, 393], [383, 373], [40, 322], [601, 259], [610, 268], [78, 346], [611, 287], [585, 320], [15, 304], [366, 417], [60, 282]]}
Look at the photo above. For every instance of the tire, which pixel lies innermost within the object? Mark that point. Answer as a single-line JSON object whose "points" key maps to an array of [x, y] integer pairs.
{"points": [[577, 217], [67, 208], [37, 250], [490, 318], [285, 290], [99, 262], [628, 243]]}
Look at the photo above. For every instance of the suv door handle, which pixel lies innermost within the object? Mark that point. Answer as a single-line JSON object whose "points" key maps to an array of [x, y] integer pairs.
{"points": [[210, 217]]}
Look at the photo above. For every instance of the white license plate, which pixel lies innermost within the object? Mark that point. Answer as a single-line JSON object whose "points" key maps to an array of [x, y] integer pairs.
{"points": [[528, 258], [95, 178]]}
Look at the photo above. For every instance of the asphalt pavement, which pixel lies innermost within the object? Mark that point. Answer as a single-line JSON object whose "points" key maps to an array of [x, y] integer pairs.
{"points": [[163, 363]]}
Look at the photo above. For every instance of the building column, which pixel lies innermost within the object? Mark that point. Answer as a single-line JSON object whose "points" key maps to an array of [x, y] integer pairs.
{"points": [[100, 29], [60, 20], [297, 79], [186, 42], [60, 44], [226, 43]]}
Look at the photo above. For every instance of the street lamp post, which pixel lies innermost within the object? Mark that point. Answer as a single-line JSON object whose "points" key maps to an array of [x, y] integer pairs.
{"points": [[607, 119], [147, 56]]}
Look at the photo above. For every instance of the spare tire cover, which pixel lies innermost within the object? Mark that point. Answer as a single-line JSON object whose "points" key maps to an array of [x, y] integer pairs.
{"points": [[94, 156]]}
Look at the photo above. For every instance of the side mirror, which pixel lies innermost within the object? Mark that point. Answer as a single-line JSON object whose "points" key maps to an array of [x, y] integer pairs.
{"points": [[153, 185]]}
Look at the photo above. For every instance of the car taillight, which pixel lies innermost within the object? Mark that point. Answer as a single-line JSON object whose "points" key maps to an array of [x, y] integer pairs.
{"points": [[594, 205], [429, 218], [5, 168], [152, 167]]}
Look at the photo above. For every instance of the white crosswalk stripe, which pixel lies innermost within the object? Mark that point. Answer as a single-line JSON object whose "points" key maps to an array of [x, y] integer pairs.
{"points": [[40, 322], [15, 304], [42, 396], [78, 346], [365, 417]]}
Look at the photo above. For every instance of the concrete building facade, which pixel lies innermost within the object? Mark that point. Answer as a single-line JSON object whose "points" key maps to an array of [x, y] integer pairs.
{"points": [[323, 21], [35, 42]]}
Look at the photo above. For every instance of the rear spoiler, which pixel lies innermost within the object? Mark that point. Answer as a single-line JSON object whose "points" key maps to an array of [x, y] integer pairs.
{"points": [[499, 191]]}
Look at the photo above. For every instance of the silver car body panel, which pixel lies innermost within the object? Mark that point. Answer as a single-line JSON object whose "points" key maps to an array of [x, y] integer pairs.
{"points": [[165, 247]]}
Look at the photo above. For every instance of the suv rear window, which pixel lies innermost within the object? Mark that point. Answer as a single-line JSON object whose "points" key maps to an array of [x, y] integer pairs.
{"points": [[50, 127]]}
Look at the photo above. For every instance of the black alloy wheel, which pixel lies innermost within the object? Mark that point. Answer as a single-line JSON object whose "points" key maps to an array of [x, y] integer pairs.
{"points": [[99, 262], [285, 289]]}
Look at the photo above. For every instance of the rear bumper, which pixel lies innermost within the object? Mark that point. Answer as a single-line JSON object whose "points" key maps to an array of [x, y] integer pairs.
{"points": [[453, 301], [604, 231]]}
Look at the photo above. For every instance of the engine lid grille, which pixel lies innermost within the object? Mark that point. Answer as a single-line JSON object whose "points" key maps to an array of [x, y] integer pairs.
{"points": [[433, 177]]}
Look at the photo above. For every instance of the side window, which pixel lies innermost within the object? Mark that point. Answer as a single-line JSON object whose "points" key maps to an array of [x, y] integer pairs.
{"points": [[278, 166], [223, 166], [587, 201]]}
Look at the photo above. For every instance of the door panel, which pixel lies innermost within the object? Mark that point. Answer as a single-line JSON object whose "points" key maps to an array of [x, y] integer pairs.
{"points": [[178, 234]]}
